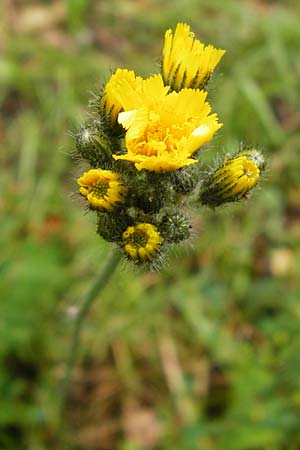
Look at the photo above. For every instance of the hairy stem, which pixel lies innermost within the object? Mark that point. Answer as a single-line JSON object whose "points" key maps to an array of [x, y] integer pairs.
{"points": [[100, 282]]}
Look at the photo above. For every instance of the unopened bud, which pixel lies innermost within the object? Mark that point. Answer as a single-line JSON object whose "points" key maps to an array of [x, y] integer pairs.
{"points": [[93, 145], [234, 180]]}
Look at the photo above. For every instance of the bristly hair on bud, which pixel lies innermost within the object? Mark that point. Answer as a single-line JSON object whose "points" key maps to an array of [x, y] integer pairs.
{"points": [[185, 179], [255, 155], [234, 179], [111, 225], [95, 146], [175, 227]]}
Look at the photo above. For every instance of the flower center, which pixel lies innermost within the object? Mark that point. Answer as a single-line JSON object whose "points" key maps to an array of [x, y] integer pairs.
{"points": [[100, 188], [154, 131], [138, 239]]}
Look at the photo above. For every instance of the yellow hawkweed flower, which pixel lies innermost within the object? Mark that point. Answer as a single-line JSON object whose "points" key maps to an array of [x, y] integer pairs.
{"points": [[163, 130], [102, 188], [186, 62], [142, 241], [234, 180], [109, 101]]}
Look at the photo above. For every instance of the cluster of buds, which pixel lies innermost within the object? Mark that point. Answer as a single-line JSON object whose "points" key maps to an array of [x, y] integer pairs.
{"points": [[143, 149]]}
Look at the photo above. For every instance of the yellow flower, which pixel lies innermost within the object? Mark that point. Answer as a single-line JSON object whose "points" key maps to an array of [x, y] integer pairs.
{"points": [[186, 62], [102, 188], [109, 101], [163, 130], [234, 180], [142, 241]]}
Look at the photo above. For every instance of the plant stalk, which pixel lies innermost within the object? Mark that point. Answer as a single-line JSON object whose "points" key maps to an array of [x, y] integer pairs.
{"points": [[100, 282]]}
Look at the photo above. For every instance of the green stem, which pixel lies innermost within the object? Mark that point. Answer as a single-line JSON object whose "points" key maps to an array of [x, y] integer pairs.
{"points": [[98, 285]]}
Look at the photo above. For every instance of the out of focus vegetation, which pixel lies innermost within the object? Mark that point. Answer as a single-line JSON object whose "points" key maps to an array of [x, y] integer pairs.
{"points": [[206, 354]]}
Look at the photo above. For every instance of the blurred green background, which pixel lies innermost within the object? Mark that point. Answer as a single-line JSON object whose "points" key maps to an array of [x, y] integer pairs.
{"points": [[206, 354]]}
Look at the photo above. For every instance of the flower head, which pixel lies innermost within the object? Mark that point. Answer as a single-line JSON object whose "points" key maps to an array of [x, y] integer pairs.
{"points": [[102, 188], [186, 62], [163, 130], [109, 101], [141, 242], [151, 131], [234, 179]]}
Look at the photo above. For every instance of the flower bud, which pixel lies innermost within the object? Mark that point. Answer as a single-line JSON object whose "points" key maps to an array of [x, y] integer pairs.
{"points": [[185, 179], [234, 180], [187, 62], [175, 228], [110, 226], [94, 146]]}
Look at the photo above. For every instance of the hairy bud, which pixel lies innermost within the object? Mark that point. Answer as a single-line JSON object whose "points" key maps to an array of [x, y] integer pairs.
{"points": [[234, 179], [175, 227]]}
